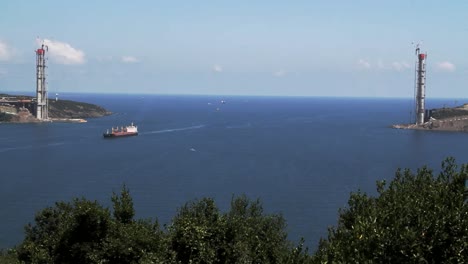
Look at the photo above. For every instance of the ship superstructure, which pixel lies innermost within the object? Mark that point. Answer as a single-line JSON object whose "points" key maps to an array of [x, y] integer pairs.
{"points": [[130, 130]]}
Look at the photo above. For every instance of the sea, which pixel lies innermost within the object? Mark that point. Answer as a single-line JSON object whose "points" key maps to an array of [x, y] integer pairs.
{"points": [[301, 156]]}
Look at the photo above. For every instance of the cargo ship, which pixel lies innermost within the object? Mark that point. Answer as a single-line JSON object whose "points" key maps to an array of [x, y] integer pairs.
{"points": [[130, 130]]}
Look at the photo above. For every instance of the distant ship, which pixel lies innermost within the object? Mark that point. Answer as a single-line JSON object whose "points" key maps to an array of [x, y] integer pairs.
{"points": [[130, 130]]}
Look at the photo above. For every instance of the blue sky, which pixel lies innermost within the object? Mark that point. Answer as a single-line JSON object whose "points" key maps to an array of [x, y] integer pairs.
{"points": [[298, 48]]}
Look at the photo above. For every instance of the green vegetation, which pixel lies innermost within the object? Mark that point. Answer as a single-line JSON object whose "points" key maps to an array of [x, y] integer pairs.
{"points": [[72, 109], [59, 109], [417, 218], [4, 117], [83, 231], [444, 113]]}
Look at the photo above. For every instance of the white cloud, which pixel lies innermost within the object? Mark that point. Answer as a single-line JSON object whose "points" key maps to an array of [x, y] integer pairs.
{"points": [[380, 65], [400, 66], [446, 66], [217, 68], [363, 64], [63, 53], [280, 73], [129, 59], [5, 51]]}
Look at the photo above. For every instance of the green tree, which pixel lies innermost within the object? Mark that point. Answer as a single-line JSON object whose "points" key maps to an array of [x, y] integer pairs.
{"points": [[130, 241], [196, 232], [133, 243], [200, 233], [84, 232], [9, 257], [4, 117], [417, 218], [252, 236], [66, 233], [123, 206]]}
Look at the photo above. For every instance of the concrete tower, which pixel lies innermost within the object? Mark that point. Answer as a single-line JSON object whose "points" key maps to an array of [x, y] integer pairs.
{"points": [[420, 89], [42, 112]]}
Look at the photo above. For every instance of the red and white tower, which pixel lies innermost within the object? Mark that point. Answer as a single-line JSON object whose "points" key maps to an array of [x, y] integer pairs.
{"points": [[42, 112], [420, 89]]}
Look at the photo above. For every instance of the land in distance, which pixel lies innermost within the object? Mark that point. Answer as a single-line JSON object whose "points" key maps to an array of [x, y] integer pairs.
{"points": [[443, 119], [60, 110]]}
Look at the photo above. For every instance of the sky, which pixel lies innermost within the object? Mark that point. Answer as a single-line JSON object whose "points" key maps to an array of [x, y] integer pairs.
{"points": [[359, 48]]}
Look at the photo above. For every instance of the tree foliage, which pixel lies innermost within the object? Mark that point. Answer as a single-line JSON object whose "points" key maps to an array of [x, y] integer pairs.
{"points": [[8, 257], [4, 117], [133, 243], [83, 231], [200, 233], [247, 228], [123, 206], [417, 218], [67, 233]]}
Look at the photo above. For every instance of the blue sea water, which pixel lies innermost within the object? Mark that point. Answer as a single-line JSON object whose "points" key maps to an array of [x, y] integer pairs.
{"points": [[301, 156]]}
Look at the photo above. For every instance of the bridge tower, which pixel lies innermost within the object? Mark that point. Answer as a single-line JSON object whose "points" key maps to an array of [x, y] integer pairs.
{"points": [[420, 87], [42, 112]]}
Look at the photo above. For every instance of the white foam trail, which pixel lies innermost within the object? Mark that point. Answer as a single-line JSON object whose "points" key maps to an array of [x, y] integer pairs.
{"points": [[172, 130]]}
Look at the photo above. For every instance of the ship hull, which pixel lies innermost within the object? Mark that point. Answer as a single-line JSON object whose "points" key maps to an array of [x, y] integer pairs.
{"points": [[127, 131], [120, 134]]}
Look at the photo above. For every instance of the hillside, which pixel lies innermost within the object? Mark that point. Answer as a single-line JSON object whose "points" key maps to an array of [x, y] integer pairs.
{"points": [[446, 112], [62, 109], [72, 109], [444, 119]]}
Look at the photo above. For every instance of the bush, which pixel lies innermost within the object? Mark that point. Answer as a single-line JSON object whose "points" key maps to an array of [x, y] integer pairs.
{"points": [[417, 218], [83, 231], [245, 234]]}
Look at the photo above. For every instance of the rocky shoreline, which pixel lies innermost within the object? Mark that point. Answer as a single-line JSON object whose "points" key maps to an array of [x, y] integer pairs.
{"points": [[59, 111], [443, 119]]}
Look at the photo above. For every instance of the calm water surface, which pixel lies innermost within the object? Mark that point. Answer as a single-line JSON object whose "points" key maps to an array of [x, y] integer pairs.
{"points": [[301, 156]]}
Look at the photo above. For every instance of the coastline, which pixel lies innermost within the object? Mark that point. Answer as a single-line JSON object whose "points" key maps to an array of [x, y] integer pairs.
{"points": [[456, 124], [69, 120], [21, 109], [453, 119]]}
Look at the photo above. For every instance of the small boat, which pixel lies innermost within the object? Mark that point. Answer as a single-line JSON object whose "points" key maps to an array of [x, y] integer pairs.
{"points": [[130, 130]]}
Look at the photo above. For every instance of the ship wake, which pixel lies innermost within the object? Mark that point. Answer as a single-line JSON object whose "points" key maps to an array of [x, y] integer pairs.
{"points": [[172, 130]]}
